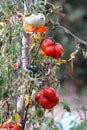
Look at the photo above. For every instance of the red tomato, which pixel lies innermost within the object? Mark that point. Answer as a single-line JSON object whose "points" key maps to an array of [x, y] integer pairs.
{"points": [[16, 65], [14, 126], [44, 102], [49, 92], [5, 125], [54, 50], [55, 100], [11, 125], [38, 95], [47, 98]]}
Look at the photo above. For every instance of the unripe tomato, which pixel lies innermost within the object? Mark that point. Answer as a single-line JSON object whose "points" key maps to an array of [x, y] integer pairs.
{"points": [[54, 50], [35, 20], [12, 126]]}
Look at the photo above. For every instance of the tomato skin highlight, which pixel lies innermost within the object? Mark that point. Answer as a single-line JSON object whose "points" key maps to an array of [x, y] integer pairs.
{"points": [[49, 51], [49, 93], [38, 95], [52, 49], [45, 43], [47, 98]]}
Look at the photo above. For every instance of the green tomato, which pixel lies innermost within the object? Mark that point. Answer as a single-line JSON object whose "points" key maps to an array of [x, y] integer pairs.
{"points": [[35, 20]]}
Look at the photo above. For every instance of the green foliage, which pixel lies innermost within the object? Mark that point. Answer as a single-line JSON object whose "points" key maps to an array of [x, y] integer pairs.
{"points": [[65, 106]]}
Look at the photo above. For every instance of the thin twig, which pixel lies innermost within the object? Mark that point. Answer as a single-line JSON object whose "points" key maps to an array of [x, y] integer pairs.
{"points": [[74, 36]]}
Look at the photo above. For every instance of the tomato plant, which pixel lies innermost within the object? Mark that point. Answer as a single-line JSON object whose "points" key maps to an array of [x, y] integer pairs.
{"points": [[29, 61], [52, 49]]}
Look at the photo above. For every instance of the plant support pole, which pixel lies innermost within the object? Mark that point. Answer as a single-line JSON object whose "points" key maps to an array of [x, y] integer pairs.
{"points": [[25, 40], [25, 55]]}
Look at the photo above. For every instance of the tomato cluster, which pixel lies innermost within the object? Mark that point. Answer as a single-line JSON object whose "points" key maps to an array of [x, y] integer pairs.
{"points": [[11, 125], [47, 98], [52, 49]]}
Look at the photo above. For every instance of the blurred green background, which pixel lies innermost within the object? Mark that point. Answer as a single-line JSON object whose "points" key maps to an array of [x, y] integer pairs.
{"points": [[76, 21]]}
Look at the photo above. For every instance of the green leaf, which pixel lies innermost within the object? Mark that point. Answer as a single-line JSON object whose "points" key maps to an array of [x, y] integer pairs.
{"points": [[40, 113], [10, 7], [1, 27], [27, 15], [36, 128], [55, 129], [65, 106]]}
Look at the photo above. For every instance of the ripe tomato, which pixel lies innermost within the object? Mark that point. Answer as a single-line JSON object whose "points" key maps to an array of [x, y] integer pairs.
{"points": [[55, 100], [14, 126], [38, 95], [44, 102], [47, 98], [54, 50], [11, 125], [16, 65], [49, 92]]}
